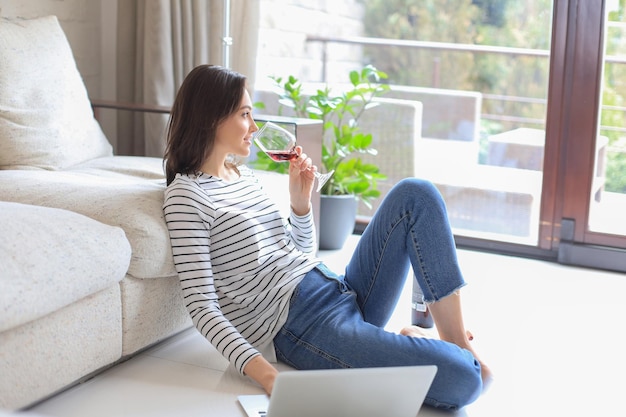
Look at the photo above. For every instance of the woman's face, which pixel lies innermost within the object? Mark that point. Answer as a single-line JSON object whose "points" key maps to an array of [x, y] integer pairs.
{"points": [[234, 134]]}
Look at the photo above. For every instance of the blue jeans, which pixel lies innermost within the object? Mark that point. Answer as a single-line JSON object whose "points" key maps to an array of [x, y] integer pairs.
{"points": [[337, 321]]}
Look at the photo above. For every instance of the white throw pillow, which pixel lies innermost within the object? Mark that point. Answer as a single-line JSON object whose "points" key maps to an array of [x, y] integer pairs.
{"points": [[46, 120]]}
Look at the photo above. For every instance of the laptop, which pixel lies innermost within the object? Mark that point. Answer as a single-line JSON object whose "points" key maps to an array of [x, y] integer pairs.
{"points": [[356, 392]]}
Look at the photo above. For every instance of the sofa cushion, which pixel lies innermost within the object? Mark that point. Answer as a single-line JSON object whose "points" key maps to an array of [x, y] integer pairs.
{"points": [[127, 201], [135, 168], [123, 191], [52, 258], [46, 120]]}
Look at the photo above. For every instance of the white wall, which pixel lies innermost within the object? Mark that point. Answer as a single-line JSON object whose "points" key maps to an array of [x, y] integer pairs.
{"points": [[81, 22], [284, 24], [90, 28]]}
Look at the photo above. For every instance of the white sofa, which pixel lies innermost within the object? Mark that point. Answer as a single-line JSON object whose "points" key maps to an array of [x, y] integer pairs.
{"points": [[87, 277], [88, 280]]}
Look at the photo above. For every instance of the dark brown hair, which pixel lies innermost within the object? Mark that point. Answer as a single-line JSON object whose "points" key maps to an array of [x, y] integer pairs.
{"points": [[207, 96]]}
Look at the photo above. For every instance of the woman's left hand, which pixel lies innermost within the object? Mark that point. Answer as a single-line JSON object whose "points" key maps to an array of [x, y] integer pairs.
{"points": [[301, 181]]}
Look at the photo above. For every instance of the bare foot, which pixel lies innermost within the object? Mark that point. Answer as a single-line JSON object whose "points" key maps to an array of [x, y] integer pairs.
{"points": [[485, 372], [486, 375], [416, 331]]}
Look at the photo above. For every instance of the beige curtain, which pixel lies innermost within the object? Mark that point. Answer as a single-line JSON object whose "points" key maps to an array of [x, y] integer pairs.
{"points": [[159, 42]]}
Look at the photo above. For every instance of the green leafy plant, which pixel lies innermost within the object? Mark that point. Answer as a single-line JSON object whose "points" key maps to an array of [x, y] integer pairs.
{"points": [[343, 138]]}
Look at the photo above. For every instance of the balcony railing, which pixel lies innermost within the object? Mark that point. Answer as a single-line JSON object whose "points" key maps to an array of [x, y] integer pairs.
{"points": [[459, 47]]}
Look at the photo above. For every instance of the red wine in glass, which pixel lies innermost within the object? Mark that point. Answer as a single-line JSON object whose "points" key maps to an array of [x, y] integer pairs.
{"points": [[282, 156], [280, 145]]}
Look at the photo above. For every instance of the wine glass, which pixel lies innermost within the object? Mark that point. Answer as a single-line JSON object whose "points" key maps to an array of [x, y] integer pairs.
{"points": [[280, 145]]}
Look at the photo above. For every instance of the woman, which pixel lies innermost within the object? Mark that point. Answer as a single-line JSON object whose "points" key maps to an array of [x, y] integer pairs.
{"points": [[249, 278]]}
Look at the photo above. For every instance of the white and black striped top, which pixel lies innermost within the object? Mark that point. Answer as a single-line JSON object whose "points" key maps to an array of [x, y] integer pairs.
{"points": [[237, 259]]}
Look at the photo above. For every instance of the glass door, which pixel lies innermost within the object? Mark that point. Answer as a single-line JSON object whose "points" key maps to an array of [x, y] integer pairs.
{"points": [[608, 192], [583, 205], [480, 70]]}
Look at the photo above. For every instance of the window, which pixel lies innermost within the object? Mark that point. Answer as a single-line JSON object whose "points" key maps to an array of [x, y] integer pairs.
{"points": [[513, 109]]}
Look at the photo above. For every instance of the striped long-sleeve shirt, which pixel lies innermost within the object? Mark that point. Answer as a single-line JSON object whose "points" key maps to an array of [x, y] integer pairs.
{"points": [[237, 259]]}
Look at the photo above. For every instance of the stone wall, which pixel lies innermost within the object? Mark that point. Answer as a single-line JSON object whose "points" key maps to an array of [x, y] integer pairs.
{"points": [[283, 49]]}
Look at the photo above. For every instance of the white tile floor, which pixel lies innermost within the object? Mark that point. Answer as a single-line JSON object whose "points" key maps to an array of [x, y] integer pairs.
{"points": [[553, 335]]}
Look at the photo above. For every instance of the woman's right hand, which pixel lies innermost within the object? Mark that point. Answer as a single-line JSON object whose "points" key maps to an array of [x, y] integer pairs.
{"points": [[301, 180]]}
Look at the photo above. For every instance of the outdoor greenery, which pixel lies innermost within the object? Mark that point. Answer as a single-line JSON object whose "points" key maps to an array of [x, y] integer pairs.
{"points": [[614, 115], [514, 86], [486, 22], [344, 139]]}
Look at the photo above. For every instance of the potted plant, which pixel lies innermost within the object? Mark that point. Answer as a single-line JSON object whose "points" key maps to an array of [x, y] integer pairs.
{"points": [[353, 179]]}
